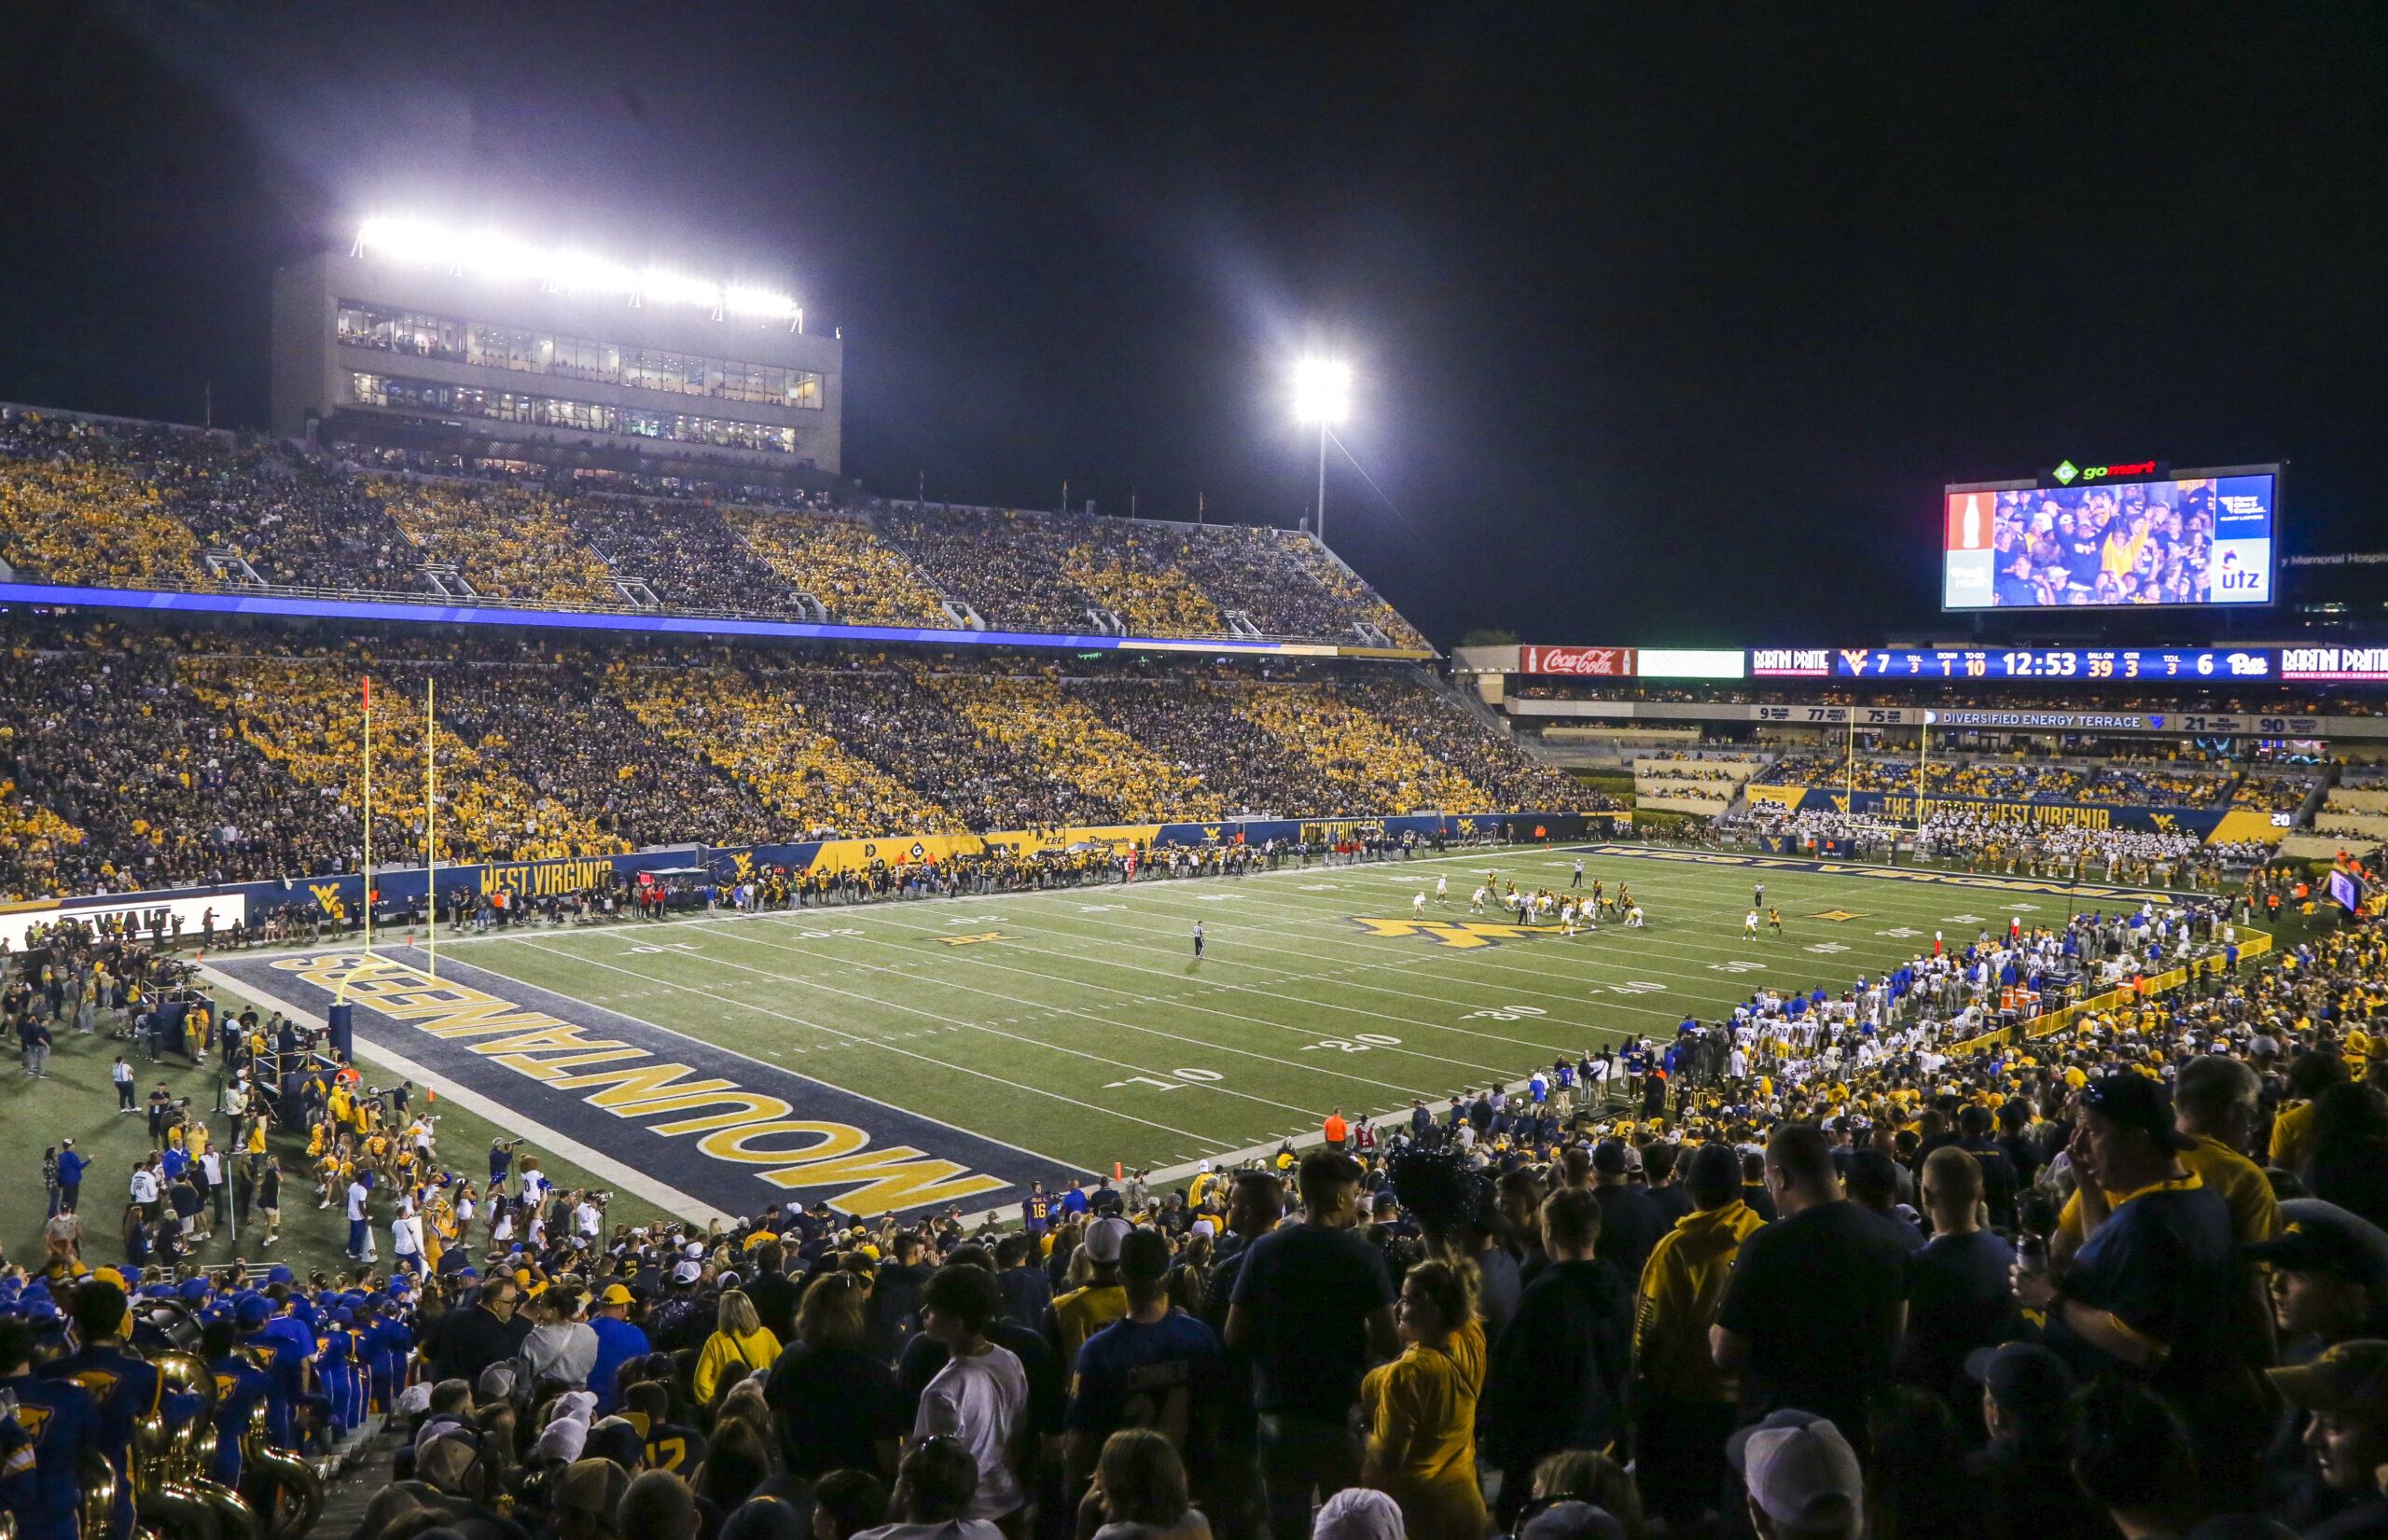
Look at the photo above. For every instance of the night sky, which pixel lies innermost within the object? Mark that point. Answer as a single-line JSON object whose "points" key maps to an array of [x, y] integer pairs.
{"points": [[1669, 322]]}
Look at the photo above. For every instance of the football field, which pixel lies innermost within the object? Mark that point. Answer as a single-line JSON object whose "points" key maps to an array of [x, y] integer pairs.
{"points": [[994, 1040]]}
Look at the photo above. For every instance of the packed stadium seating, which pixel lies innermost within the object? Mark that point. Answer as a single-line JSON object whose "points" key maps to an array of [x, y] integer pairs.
{"points": [[105, 503], [1034, 718], [2274, 793], [2149, 786], [855, 574], [785, 771], [2003, 779], [141, 759]]}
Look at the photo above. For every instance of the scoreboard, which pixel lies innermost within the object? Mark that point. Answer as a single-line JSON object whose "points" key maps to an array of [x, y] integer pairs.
{"points": [[2089, 663]]}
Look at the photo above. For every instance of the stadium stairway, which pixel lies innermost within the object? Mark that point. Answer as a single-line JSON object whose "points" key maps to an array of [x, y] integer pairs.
{"points": [[364, 1470]]}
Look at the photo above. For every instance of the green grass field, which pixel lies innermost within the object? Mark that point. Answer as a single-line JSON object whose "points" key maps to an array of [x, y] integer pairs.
{"points": [[1078, 1024]]}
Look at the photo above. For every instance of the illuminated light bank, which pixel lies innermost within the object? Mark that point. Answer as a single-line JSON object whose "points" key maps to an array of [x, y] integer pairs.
{"points": [[490, 255]]}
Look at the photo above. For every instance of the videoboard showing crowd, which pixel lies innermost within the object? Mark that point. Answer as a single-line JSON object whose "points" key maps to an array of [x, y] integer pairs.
{"points": [[2201, 540]]}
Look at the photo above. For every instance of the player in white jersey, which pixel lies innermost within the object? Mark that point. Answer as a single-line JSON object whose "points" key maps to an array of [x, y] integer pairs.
{"points": [[1633, 915], [1476, 905], [1442, 889], [1418, 902], [1749, 925]]}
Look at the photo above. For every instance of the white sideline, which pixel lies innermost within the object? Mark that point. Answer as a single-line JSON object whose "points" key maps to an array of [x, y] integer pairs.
{"points": [[626, 1178]]}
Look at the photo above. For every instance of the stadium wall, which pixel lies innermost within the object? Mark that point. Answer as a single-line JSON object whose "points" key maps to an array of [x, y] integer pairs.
{"points": [[338, 895]]}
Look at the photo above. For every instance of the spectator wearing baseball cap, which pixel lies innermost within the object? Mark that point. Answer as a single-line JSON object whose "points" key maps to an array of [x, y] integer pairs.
{"points": [[2346, 1390], [2150, 1291], [1080, 1314], [2024, 1475], [2329, 1273], [618, 1342], [1799, 1478]]}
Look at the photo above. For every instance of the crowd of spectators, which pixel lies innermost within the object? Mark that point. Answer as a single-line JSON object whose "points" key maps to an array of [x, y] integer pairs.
{"points": [[140, 759], [505, 543], [794, 778], [857, 578], [1036, 720], [1452, 736], [685, 553], [1366, 757], [1840, 1263], [1863, 772], [2273, 793], [109, 503], [1191, 723], [116, 503], [1960, 835], [2150, 785]]}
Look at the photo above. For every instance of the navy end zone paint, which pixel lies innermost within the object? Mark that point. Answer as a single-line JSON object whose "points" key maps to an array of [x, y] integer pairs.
{"points": [[730, 1131]]}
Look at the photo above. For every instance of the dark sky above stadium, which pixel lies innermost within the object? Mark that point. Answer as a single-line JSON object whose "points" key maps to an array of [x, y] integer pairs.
{"points": [[1669, 322]]}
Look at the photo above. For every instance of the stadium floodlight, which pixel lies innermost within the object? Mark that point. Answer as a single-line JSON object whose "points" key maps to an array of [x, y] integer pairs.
{"points": [[490, 255], [1322, 395], [1322, 391]]}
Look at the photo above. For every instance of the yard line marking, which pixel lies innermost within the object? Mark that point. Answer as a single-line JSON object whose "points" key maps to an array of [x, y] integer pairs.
{"points": [[1052, 1047], [850, 1037], [986, 962]]}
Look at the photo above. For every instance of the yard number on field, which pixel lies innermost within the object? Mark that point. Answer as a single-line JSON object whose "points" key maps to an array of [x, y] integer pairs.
{"points": [[1359, 1042], [1506, 1013], [1185, 1078]]}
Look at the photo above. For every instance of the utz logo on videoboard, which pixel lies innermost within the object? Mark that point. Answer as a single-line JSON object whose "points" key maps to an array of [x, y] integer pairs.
{"points": [[1781, 662], [1603, 662]]}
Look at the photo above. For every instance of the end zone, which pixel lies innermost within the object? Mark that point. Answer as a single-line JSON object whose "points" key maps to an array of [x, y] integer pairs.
{"points": [[737, 1134]]}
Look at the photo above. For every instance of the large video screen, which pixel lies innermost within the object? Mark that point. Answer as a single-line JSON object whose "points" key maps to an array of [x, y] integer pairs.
{"points": [[2184, 540]]}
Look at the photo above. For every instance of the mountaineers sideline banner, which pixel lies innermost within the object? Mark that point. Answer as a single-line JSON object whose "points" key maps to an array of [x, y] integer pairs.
{"points": [[1900, 808]]}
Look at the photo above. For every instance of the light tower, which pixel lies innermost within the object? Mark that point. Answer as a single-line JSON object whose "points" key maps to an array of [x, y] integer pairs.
{"points": [[1322, 395]]}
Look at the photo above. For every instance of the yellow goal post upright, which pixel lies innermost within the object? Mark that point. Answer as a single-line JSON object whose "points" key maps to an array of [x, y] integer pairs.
{"points": [[340, 996], [431, 816]]}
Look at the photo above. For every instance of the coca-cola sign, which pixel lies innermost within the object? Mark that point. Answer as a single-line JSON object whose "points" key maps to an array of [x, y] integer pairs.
{"points": [[1598, 662]]}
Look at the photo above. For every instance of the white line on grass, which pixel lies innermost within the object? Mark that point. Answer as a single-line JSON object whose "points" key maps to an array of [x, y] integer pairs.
{"points": [[866, 1042], [630, 1179], [988, 961], [1054, 1047]]}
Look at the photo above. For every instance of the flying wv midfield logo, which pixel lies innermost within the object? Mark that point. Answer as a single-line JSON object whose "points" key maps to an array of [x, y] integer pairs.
{"points": [[1452, 933]]}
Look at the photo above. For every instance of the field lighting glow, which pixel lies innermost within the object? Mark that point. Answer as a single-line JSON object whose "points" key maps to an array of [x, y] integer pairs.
{"points": [[1322, 391], [488, 254]]}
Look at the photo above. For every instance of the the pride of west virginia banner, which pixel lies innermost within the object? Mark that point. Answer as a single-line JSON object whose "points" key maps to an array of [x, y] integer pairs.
{"points": [[1899, 807]]}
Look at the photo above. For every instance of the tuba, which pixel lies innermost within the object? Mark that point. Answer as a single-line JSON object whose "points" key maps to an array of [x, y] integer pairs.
{"points": [[97, 1479], [172, 1487], [283, 1491]]}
